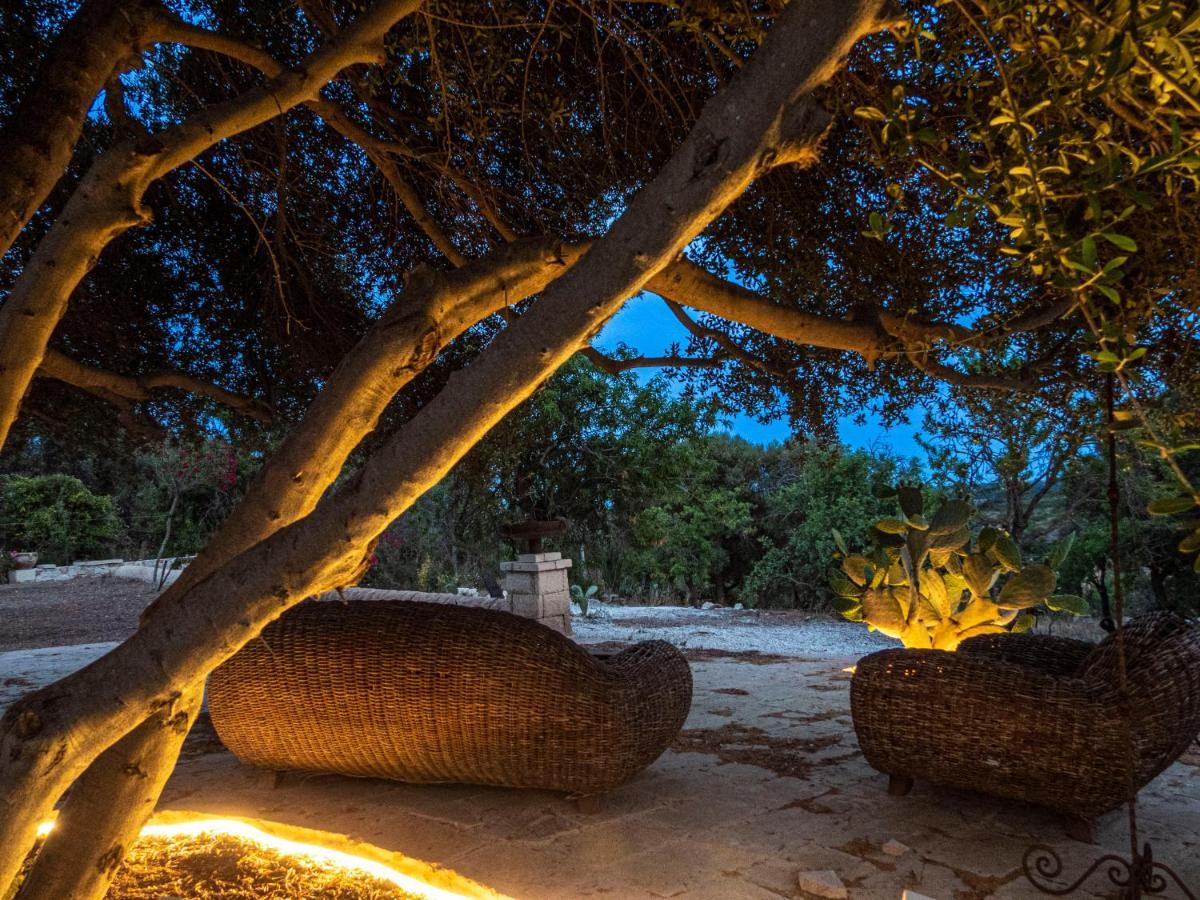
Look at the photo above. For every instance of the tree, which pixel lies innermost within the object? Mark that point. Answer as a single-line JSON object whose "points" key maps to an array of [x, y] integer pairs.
{"points": [[273, 278], [682, 539], [1155, 574], [812, 493], [762, 119], [1021, 446]]}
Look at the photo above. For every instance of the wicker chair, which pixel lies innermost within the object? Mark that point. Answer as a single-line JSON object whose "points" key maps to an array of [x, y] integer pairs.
{"points": [[425, 692], [1033, 717]]}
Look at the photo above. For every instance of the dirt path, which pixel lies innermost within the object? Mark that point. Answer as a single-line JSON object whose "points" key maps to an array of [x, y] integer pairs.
{"points": [[81, 611]]}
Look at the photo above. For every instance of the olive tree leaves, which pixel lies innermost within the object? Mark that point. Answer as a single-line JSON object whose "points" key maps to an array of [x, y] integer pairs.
{"points": [[1072, 129]]}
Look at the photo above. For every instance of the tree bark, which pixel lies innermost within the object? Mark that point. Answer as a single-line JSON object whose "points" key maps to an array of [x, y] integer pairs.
{"points": [[38, 141], [108, 201], [47, 739], [107, 807]]}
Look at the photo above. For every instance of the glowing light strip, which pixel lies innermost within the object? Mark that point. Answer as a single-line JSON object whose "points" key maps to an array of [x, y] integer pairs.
{"points": [[315, 852]]}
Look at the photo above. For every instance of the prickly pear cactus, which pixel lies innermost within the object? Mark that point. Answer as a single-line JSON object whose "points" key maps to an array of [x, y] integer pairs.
{"points": [[929, 584]]}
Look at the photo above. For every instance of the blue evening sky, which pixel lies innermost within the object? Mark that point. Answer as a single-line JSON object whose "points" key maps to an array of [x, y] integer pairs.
{"points": [[646, 325]]}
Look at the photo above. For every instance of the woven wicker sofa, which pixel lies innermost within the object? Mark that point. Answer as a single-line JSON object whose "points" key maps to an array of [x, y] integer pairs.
{"points": [[1033, 717], [425, 692]]}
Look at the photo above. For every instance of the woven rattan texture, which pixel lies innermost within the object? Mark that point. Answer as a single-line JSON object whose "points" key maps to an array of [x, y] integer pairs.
{"points": [[426, 692], [1033, 717]]}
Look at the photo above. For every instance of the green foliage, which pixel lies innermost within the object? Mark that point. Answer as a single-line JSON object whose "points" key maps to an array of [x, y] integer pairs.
{"points": [[1156, 573], [1075, 131], [56, 516], [1072, 128], [810, 497], [929, 585]]}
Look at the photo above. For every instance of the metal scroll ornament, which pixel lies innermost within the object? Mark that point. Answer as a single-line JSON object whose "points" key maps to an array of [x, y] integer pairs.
{"points": [[1143, 877]]}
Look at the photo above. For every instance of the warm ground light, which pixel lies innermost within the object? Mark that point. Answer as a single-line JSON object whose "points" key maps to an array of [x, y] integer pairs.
{"points": [[305, 861]]}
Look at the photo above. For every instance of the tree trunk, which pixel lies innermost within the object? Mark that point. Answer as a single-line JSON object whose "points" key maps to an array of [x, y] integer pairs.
{"points": [[432, 311], [107, 807], [38, 141], [763, 115]]}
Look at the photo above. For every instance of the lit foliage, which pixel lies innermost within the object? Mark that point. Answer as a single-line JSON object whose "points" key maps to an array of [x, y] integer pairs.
{"points": [[927, 583], [1074, 127]]}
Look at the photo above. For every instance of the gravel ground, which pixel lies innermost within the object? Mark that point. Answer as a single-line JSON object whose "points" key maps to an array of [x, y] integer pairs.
{"points": [[781, 633], [80, 611], [94, 610]]}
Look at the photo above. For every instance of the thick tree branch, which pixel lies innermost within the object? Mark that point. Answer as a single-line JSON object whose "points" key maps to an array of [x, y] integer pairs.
{"points": [[38, 140], [108, 200], [121, 787], [688, 284], [434, 309], [137, 388]]}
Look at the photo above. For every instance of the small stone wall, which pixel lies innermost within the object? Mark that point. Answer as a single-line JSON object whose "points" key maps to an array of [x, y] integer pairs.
{"points": [[81, 569]]}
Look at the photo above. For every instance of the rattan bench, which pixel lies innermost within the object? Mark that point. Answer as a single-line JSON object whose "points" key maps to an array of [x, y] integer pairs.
{"points": [[1033, 717], [424, 692]]}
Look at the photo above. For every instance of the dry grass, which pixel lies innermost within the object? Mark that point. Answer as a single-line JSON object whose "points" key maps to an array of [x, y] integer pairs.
{"points": [[219, 866]]}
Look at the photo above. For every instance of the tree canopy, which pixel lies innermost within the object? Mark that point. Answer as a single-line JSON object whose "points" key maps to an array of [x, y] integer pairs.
{"points": [[983, 167]]}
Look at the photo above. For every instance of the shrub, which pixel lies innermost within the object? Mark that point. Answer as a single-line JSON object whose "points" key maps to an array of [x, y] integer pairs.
{"points": [[56, 516]]}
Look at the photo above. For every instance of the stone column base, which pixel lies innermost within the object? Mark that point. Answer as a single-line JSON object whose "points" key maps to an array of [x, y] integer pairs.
{"points": [[537, 588]]}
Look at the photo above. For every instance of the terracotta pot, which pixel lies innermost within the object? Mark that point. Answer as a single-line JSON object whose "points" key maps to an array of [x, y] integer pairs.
{"points": [[24, 560]]}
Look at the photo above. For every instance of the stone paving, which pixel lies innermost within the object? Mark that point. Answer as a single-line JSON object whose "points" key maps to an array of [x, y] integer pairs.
{"points": [[22, 671], [765, 783]]}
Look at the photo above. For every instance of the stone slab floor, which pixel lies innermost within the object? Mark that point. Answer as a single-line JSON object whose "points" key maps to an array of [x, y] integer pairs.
{"points": [[766, 782]]}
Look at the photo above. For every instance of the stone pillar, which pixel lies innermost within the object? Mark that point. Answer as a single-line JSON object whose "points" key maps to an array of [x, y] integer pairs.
{"points": [[537, 588]]}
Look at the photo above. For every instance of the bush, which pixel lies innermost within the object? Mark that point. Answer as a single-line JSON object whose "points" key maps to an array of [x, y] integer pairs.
{"points": [[56, 516]]}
